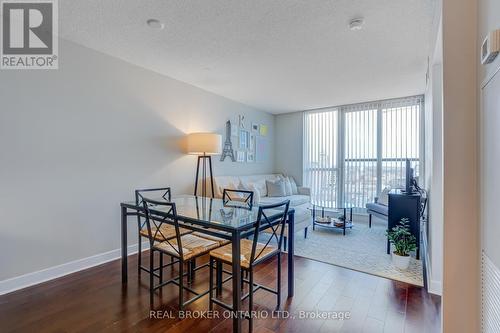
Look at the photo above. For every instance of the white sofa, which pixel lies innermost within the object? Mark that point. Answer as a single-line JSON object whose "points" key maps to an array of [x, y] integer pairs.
{"points": [[300, 202]]}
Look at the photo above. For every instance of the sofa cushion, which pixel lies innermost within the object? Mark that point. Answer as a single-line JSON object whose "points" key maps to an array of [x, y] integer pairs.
{"points": [[288, 186], [383, 198], [222, 182], [295, 200], [378, 208], [259, 181], [276, 188], [250, 187], [294, 185]]}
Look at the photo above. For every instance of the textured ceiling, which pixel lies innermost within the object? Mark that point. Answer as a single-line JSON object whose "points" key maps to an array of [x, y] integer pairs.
{"points": [[276, 55]]}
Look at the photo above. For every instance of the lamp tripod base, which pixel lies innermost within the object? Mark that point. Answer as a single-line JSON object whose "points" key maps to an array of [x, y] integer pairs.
{"points": [[204, 159]]}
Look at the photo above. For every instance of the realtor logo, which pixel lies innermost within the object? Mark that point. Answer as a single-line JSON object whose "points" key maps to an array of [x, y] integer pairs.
{"points": [[29, 34]]}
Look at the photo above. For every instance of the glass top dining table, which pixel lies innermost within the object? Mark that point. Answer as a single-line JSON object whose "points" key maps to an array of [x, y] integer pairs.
{"points": [[229, 220]]}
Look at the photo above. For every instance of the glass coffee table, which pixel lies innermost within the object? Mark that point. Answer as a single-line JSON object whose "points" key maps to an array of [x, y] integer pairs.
{"points": [[333, 218]]}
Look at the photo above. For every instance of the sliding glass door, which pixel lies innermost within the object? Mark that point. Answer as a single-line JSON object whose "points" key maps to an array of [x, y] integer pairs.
{"points": [[321, 171], [360, 154], [400, 140], [352, 152]]}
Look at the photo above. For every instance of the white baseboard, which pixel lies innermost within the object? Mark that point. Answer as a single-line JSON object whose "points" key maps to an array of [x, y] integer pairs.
{"points": [[30, 279], [435, 287]]}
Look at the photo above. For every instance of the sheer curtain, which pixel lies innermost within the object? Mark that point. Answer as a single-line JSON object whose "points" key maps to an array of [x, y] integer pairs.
{"points": [[352, 152]]}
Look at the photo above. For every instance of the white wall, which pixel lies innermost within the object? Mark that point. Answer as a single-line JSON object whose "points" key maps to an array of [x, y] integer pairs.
{"points": [[77, 141], [460, 205], [434, 160], [489, 19], [489, 159], [488, 77], [289, 140], [434, 175]]}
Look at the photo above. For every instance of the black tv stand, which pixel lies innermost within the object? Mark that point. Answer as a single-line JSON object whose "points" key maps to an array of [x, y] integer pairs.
{"points": [[403, 205]]}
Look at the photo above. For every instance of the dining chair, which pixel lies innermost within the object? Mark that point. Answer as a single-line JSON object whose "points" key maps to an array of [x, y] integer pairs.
{"points": [[183, 247], [237, 197], [254, 253], [230, 198], [163, 193]]}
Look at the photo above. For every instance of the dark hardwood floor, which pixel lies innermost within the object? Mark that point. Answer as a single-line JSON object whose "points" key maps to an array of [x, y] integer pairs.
{"points": [[95, 301]]}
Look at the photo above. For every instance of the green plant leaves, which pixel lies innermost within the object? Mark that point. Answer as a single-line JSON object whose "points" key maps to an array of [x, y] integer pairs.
{"points": [[401, 237]]}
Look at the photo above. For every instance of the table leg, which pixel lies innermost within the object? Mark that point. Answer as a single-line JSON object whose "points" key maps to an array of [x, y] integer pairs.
{"points": [[291, 234], [236, 282], [124, 245], [314, 217], [345, 220]]}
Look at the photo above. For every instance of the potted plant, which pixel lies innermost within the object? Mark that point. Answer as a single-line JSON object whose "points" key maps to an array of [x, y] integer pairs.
{"points": [[404, 242]]}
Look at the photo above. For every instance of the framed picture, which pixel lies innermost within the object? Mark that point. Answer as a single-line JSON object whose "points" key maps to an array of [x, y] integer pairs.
{"points": [[234, 127], [251, 142], [241, 121], [263, 130], [250, 157], [255, 128], [244, 138], [240, 156]]}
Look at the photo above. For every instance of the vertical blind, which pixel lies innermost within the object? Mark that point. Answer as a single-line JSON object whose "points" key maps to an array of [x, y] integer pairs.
{"points": [[360, 152], [320, 155], [352, 152]]}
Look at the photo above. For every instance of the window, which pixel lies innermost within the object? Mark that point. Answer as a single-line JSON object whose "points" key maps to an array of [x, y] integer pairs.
{"points": [[352, 152], [321, 155]]}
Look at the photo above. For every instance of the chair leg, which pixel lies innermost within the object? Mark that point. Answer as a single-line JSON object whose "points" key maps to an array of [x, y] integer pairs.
{"points": [[284, 243], [278, 289], [193, 266], [181, 284], [250, 302], [370, 220], [218, 278], [139, 256], [161, 267], [189, 272], [305, 232], [211, 284], [242, 279], [151, 276]]}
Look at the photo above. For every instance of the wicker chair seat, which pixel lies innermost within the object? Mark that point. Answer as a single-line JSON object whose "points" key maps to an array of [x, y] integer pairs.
{"points": [[167, 231], [220, 241], [224, 253], [192, 246]]}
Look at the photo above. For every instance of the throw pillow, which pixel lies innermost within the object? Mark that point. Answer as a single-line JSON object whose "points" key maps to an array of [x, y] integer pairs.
{"points": [[294, 185], [256, 194], [288, 186], [383, 198], [260, 184], [250, 187], [275, 188]]}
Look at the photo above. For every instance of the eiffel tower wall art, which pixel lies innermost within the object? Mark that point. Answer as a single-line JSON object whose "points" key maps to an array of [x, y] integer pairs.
{"points": [[228, 146]]}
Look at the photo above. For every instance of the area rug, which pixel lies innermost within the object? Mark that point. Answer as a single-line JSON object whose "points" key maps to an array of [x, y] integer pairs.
{"points": [[362, 249]]}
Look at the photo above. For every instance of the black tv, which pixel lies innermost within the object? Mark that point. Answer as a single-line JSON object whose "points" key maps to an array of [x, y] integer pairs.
{"points": [[409, 178]]}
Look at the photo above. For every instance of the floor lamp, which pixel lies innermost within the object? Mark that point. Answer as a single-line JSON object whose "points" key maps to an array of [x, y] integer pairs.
{"points": [[204, 145]]}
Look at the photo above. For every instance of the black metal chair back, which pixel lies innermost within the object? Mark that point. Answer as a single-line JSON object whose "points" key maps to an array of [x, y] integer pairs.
{"points": [[155, 221], [162, 192], [243, 196], [265, 218]]}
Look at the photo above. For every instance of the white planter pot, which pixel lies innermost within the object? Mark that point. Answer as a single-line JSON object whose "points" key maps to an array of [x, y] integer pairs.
{"points": [[401, 262]]}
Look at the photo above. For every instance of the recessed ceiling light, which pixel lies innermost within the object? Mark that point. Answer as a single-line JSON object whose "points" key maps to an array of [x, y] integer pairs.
{"points": [[155, 24], [356, 24]]}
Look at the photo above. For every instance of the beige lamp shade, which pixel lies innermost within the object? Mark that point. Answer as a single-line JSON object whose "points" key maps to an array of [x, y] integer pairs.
{"points": [[204, 143]]}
